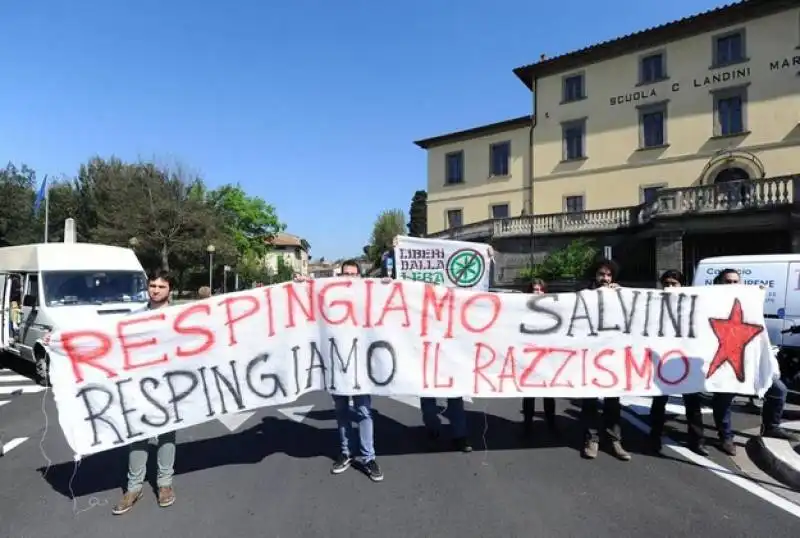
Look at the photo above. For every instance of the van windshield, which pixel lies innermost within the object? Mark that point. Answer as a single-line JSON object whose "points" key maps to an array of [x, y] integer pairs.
{"points": [[62, 288]]}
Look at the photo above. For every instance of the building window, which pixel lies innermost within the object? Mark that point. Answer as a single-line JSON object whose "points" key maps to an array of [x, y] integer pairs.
{"points": [[500, 211], [650, 194], [574, 135], [454, 218], [729, 112], [653, 126], [573, 88], [729, 49], [499, 158], [573, 204], [454, 168], [653, 68]]}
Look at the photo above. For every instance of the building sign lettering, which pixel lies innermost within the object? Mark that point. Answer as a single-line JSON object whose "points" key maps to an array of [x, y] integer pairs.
{"points": [[719, 77], [785, 63], [725, 76], [636, 96]]}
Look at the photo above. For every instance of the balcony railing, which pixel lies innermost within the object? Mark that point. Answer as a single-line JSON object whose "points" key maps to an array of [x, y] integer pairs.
{"points": [[705, 199]]}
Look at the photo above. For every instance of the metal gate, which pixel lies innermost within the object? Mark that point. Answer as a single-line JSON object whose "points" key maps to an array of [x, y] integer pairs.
{"points": [[699, 246]]}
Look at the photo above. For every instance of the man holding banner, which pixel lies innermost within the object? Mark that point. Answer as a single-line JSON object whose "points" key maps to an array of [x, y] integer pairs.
{"points": [[605, 275], [159, 287], [454, 264], [362, 405]]}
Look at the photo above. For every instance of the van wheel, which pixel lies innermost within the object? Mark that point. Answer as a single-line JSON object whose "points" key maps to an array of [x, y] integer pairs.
{"points": [[42, 365]]}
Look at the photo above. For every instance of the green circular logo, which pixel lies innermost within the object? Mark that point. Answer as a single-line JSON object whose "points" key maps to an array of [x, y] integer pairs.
{"points": [[465, 267]]}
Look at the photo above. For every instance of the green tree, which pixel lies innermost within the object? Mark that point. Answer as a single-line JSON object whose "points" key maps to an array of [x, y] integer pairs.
{"points": [[16, 211], [249, 220], [63, 204], [160, 209], [388, 225], [572, 261], [418, 215]]}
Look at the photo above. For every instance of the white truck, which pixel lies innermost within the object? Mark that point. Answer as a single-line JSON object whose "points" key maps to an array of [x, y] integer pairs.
{"points": [[52, 286], [779, 274]]}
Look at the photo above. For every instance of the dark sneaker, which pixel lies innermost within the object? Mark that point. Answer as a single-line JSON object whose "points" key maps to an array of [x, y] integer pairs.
{"points": [[462, 445], [552, 427], [590, 450], [728, 447], [126, 503], [527, 428], [373, 471], [780, 433], [619, 452], [166, 496], [655, 446], [699, 449], [433, 440], [341, 464]]}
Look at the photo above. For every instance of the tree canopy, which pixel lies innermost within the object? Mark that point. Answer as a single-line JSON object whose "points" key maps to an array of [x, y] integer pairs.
{"points": [[418, 215], [167, 215], [388, 225]]}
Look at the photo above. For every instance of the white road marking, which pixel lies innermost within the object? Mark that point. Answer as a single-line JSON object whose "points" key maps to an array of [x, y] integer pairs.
{"points": [[12, 444], [233, 422], [4, 402], [19, 389], [413, 401], [726, 474], [641, 405], [297, 413], [14, 378]]}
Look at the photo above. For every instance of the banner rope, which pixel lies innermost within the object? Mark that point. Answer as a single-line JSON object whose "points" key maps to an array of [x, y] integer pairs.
{"points": [[93, 501]]}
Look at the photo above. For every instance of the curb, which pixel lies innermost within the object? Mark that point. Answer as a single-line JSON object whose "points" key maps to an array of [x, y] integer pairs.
{"points": [[779, 457]]}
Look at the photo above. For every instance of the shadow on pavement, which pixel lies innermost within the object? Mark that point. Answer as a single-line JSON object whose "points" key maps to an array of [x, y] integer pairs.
{"points": [[18, 365], [107, 470]]}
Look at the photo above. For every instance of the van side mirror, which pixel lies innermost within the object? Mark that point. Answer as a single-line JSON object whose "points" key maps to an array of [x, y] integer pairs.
{"points": [[30, 301]]}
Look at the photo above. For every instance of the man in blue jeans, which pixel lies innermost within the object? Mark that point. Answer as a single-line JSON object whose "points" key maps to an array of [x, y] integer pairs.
{"points": [[360, 413], [159, 286], [774, 399]]}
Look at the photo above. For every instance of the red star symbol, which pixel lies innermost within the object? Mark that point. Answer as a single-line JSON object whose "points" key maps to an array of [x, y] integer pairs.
{"points": [[733, 335]]}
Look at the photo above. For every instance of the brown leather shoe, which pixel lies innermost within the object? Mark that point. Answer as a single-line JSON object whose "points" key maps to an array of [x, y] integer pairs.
{"points": [[166, 496], [728, 447], [619, 452], [126, 503], [590, 450]]}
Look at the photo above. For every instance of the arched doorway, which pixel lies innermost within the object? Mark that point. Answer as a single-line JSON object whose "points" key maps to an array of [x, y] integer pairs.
{"points": [[731, 190], [731, 174]]}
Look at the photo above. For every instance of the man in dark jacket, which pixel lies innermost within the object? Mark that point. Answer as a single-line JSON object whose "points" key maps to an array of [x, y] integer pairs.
{"points": [[604, 274], [429, 407]]}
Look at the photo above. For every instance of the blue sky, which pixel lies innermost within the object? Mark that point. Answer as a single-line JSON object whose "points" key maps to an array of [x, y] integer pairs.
{"points": [[311, 104]]}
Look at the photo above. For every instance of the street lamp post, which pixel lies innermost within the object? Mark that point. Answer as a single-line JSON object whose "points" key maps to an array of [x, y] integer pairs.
{"points": [[210, 249], [225, 270]]}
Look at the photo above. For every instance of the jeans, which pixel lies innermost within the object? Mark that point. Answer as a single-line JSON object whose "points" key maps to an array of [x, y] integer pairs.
{"points": [[694, 417], [771, 411], [454, 412], [165, 458], [362, 407], [612, 416]]}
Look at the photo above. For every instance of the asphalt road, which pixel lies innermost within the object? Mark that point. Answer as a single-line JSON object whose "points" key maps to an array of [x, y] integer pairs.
{"points": [[271, 479]]}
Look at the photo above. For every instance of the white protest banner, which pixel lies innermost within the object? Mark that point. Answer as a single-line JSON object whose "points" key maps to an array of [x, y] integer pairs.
{"points": [[120, 381], [454, 264]]}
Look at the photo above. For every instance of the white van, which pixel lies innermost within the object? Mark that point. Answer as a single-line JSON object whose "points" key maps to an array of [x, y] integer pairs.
{"points": [[780, 276], [51, 286]]}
